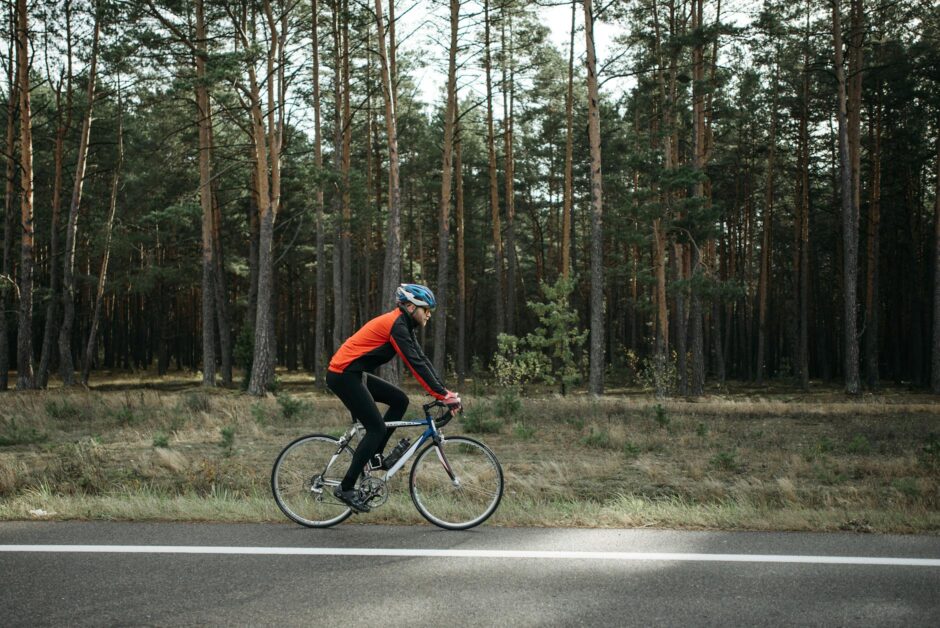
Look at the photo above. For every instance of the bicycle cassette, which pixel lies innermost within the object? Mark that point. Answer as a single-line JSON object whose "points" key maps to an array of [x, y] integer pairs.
{"points": [[373, 491]]}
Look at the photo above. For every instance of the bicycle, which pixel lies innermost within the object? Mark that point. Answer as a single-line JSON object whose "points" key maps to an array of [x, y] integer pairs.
{"points": [[456, 489]]}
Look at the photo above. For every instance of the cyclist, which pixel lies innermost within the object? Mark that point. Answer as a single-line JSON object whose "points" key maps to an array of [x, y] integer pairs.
{"points": [[350, 378]]}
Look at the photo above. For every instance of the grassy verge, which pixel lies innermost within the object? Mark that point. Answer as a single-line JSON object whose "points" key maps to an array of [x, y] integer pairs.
{"points": [[775, 462]]}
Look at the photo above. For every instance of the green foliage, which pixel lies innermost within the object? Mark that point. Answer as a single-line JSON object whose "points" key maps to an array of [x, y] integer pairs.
{"points": [[476, 420], [228, 439], [701, 430], [260, 414], [659, 414], [523, 431], [930, 452], [558, 335], [631, 450], [514, 365], [124, 415], [291, 408], [658, 375], [507, 403], [161, 439], [597, 440], [724, 461], [12, 433]]}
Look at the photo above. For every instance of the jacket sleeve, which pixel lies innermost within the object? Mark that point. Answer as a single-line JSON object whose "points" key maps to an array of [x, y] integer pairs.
{"points": [[411, 354]]}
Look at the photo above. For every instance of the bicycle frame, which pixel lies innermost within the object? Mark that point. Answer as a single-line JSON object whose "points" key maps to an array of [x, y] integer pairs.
{"points": [[432, 432]]}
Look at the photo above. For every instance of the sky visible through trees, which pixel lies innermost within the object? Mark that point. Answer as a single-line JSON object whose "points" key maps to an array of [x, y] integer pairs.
{"points": [[760, 203]]}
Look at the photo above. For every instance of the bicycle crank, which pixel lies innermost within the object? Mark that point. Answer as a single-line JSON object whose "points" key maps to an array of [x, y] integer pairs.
{"points": [[373, 491]]}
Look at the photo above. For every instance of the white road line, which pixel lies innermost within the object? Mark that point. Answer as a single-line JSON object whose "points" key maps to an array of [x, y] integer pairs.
{"points": [[453, 553]]}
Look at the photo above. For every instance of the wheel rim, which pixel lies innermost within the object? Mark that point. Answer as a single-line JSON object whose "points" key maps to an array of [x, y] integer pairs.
{"points": [[299, 490], [457, 507]]}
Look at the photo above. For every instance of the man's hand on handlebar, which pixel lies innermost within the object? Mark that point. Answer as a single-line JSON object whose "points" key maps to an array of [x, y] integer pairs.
{"points": [[452, 401]]}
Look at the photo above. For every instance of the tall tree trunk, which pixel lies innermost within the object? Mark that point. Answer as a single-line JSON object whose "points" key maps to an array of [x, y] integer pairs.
{"points": [[849, 214], [91, 345], [66, 365], [443, 246], [935, 367], [391, 273], [802, 223], [874, 247], [203, 121], [62, 130], [766, 240], [696, 330], [319, 342], [267, 139], [493, 182], [24, 379], [508, 73], [346, 230], [461, 256], [6, 282], [336, 204], [569, 152], [596, 380]]}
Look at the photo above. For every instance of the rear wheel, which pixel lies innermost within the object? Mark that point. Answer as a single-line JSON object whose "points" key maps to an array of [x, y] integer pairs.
{"points": [[456, 485], [304, 476]]}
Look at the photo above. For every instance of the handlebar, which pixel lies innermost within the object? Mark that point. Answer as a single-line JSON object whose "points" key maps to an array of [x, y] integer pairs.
{"points": [[445, 416]]}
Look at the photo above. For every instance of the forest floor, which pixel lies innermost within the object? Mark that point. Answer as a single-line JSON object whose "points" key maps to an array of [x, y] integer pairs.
{"points": [[757, 458]]}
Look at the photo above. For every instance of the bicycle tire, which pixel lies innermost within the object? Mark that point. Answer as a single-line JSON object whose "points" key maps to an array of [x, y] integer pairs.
{"points": [[298, 486], [449, 504]]}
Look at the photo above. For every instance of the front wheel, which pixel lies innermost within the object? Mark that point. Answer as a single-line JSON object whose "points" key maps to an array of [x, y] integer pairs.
{"points": [[456, 485], [303, 479]]}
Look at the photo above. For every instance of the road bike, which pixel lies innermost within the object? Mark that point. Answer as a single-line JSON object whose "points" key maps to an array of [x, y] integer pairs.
{"points": [[455, 482]]}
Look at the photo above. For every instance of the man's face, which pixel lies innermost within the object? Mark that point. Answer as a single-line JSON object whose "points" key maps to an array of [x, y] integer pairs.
{"points": [[421, 314]]}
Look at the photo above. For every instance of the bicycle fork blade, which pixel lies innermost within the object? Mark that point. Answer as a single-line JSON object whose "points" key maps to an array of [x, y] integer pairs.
{"points": [[450, 472]]}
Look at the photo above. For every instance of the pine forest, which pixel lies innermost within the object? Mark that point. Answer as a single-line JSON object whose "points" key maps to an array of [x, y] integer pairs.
{"points": [[673, 194]]}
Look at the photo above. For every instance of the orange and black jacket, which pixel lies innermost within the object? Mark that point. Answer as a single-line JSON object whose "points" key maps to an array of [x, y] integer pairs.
{"points": [[378, 341]]}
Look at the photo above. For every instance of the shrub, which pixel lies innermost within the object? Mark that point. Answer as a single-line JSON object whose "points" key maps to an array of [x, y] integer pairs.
{"points": [[659, 413], [291, 408], [523, 431], [65, 410], [476, 421], [507, 404], [631, 450], [228, 439], [701, 430], [124, 415], [724, 460], [160, 439]]}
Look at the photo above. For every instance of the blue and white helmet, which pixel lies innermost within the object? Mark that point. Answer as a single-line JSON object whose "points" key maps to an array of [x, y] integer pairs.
{"points": [[417, 294]]}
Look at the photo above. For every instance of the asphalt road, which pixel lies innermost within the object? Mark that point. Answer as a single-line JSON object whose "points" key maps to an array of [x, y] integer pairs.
{"points": [[485, 577]]}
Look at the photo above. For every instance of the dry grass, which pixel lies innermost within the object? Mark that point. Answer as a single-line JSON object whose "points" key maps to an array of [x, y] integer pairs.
{"points": [[769, 462]]}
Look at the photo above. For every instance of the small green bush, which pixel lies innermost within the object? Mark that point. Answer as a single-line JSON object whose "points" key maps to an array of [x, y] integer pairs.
{"points": [[523, 431], [725, 461], [507, 404], [631, 450], [160, 439], [228, 439], [124, 415], [291, 408], [660, 415], [476, 420], [65, 410], [701, 430], [260, 414]]}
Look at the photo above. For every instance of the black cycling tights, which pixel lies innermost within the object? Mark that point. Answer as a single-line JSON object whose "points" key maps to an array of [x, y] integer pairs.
{"points": [[360, 392]]}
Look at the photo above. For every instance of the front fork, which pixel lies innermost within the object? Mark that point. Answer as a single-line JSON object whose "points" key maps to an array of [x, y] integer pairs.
{"points": [[439, 449]]}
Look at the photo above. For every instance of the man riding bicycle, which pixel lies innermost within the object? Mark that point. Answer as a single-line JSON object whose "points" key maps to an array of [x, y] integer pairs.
{"points": [[350, 378]]}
